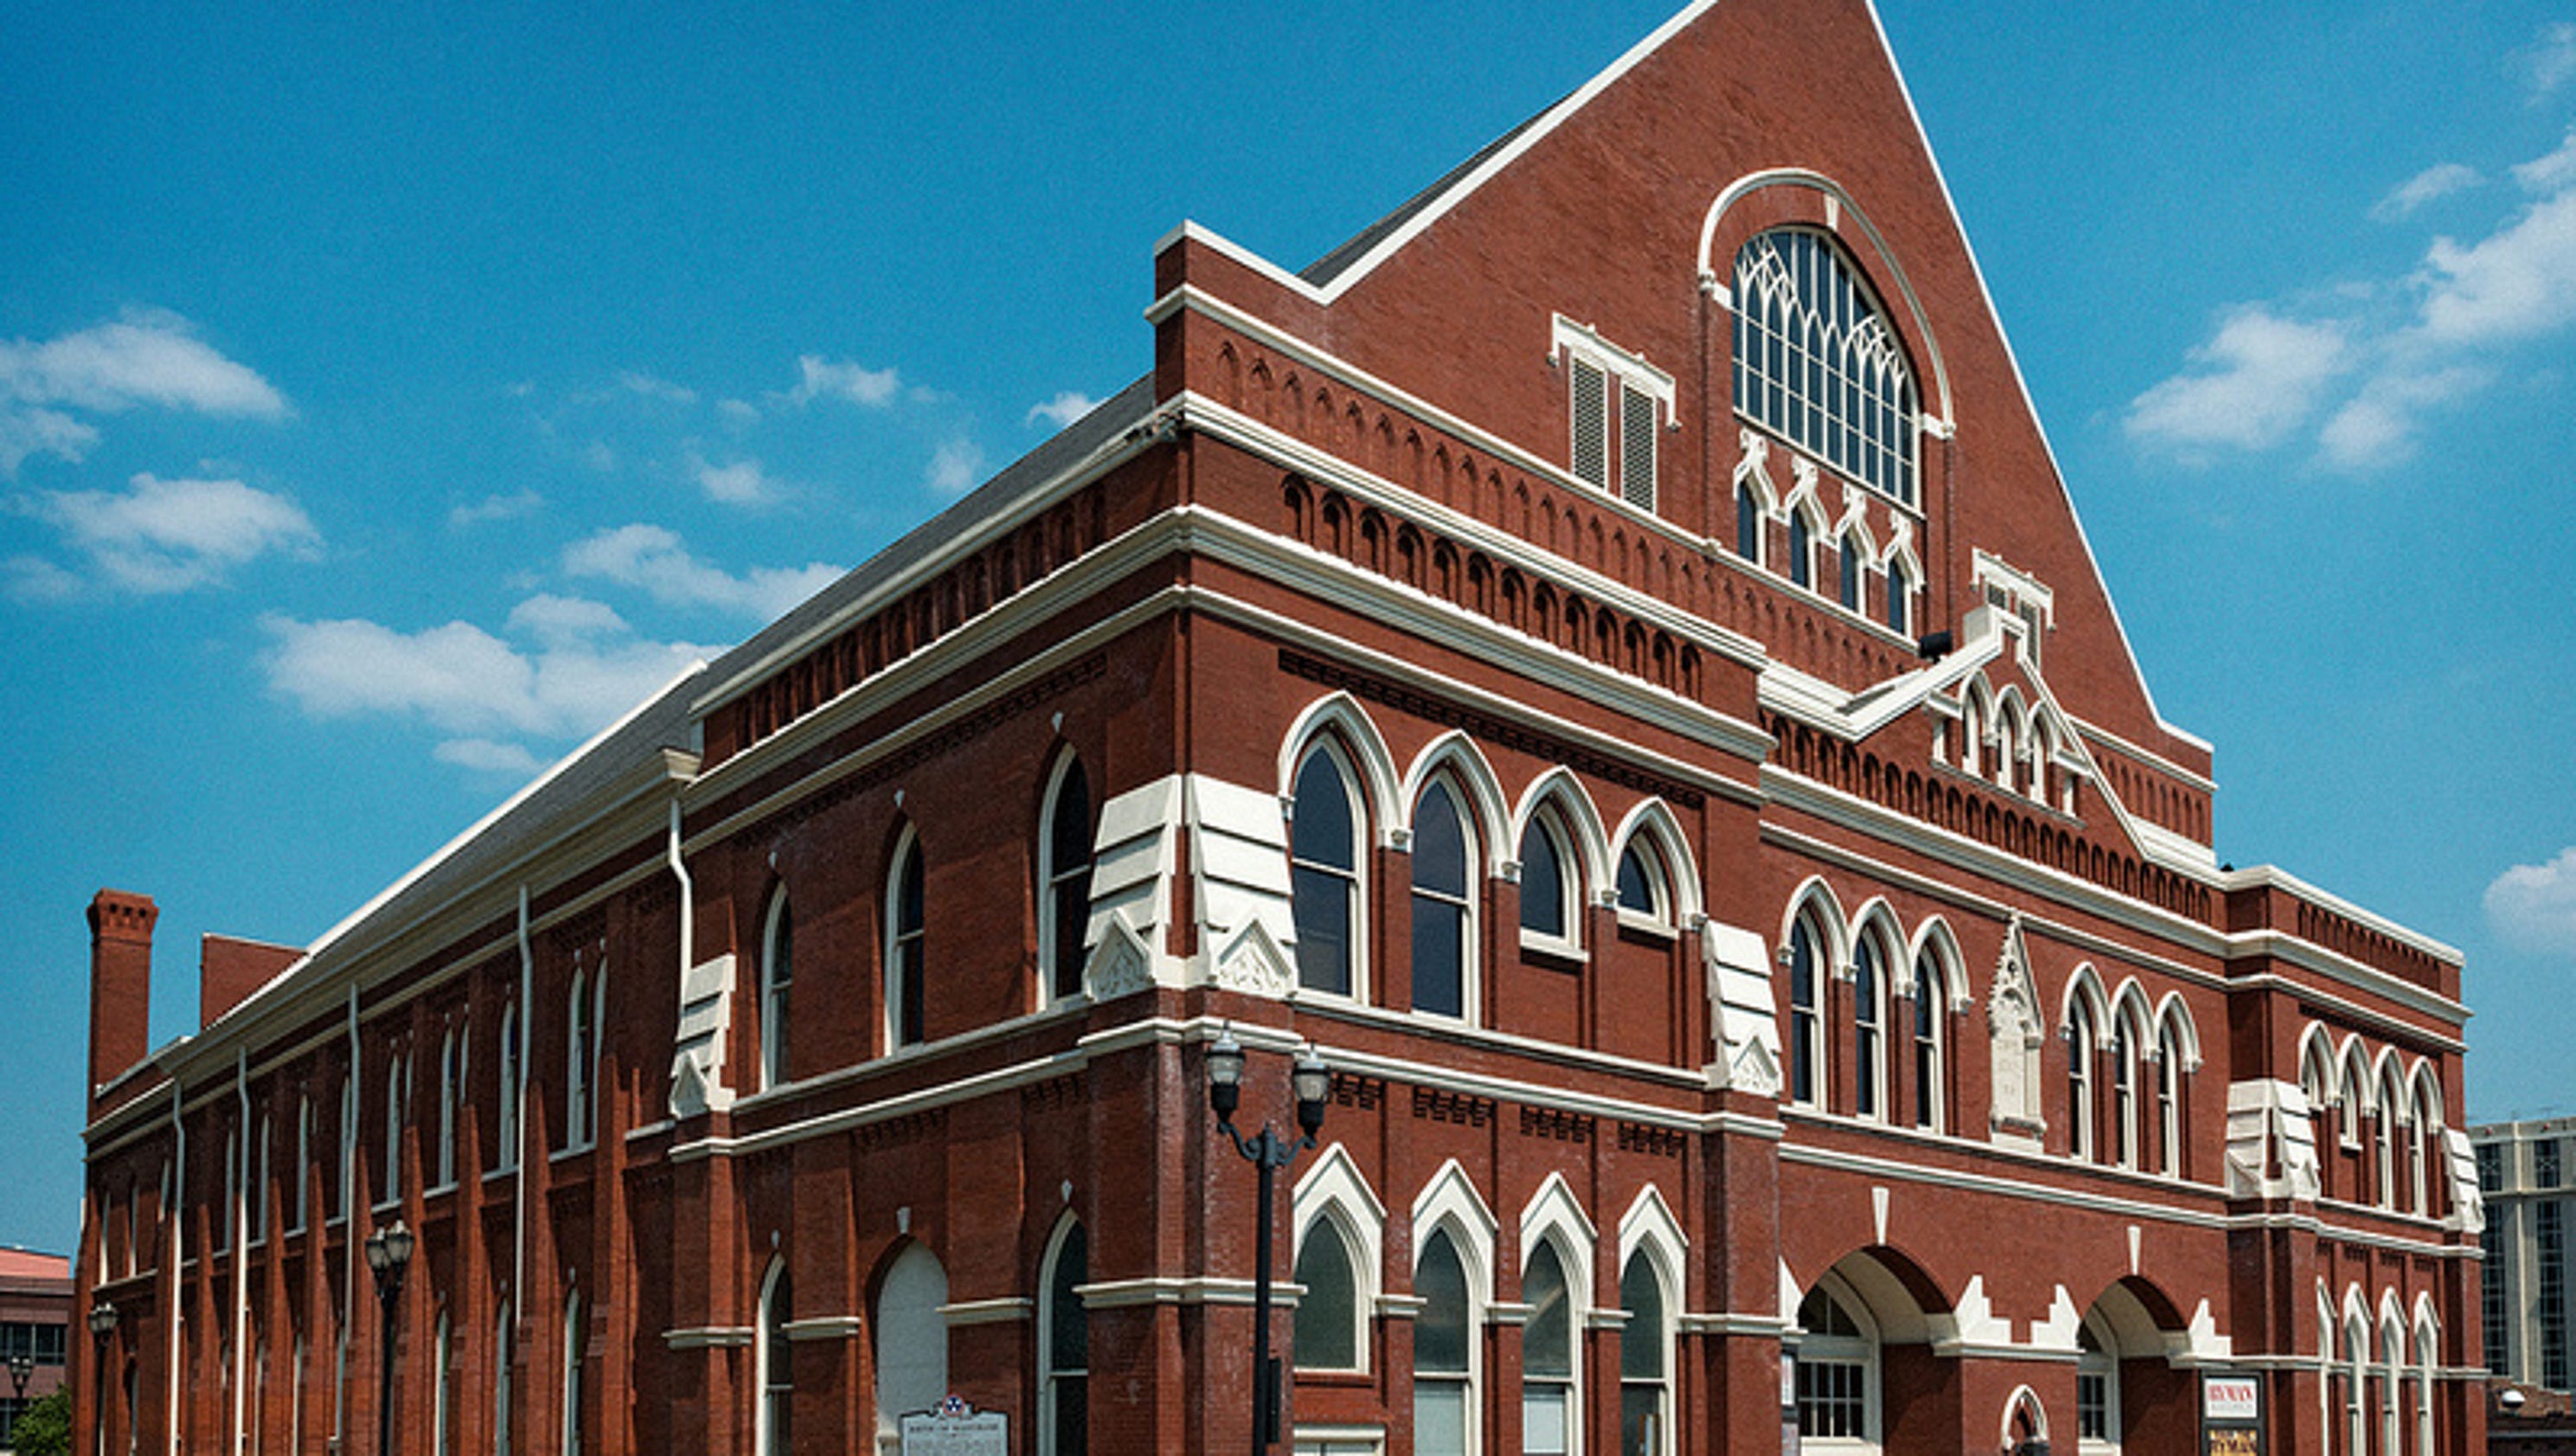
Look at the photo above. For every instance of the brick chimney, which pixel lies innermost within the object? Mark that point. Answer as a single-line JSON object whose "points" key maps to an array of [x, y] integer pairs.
{"points": [[120, 985], [230, 968]]}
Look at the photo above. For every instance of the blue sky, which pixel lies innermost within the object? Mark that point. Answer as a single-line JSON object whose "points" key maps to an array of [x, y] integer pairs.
{"points": [[388, 398]]}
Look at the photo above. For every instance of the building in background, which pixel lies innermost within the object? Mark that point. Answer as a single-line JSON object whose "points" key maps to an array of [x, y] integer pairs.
{"points": [[35, 1331], [2528, 1173], [1607, 659]]}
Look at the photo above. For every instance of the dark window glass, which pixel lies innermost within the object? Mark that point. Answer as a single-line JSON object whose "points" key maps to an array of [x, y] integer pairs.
{"points": [[911, 959], [1440, 1330], [1802, 558], [1927, 1041], [1547, 1340], [777, 1397], [1327, 1322], [1866, 1024], [1849, 586], [1069, 877], [1323, 882], [1896, 590], [782, 974], [1802, 1013], [1542, 883], [1641, 1339], [1069, 1345], [1639, 878], [1440, 923], [1748, 524]]}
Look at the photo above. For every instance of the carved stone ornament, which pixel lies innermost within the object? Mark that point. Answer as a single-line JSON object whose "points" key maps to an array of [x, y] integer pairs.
{"points": [[1119, 965], [1250, 960]]}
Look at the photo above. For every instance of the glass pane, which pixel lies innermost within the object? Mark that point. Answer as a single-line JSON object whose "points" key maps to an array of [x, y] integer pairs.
{"points": [[1439, 957], [1543, 1419], [1636, 882], [1641, 1340], [1439, 846], [1322, 906], [1547, 1340], [1072, 1415], [1070, 834], [1440, 1418], [1068, 1323], [1327, 1324], [1322, 833], [1440, 1330], [1542, 884], [1641, 1419]]}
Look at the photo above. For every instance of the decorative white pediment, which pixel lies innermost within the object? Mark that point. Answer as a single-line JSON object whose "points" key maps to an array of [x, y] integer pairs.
{"points": [[698, 1045], [1120, 962], [2271, 1144], [1742, 1016], [1254, 963]]}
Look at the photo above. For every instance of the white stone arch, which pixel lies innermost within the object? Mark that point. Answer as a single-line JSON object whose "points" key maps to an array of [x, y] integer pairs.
{"points": [[1803, 505], [1976, 723], [1338, 718], [1876, 918], [1653, 820], [2129, 1006], [1455, 756], [1450, 1201], [2427, 1086], [2012, 737], [2352, 1074], [2428, 1360], [2084, 987], [1650, 1238], [2022, 1399], [1649, 1225], [2174, 1012], [1852, 227], [2318, 1064], [1813, 893], [1936, 936], [1056, 1376], [1753, 471], [1555, 1215], [1334, 1195], [1561, 789]]}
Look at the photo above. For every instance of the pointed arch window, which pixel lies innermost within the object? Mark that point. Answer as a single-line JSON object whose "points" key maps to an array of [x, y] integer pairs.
{"points": [[777, 1372], [911, 1340], [451, 1098], [2080, 1110], [1806, 1030], [1328, 1314], [1444, 1398], [258, 1231], [1645, 1392], [2097, 1391], [1930, 1003], [1064, 1422], [1550, 902], [907, 960], [504, 1384], [1847, 581], [393, 1184], [1817, 364], [1802, 551], [1064, 875], [442, 1400], [1900, 589], [1550, 1412], [581, 1060], [1444, 915], [1748, 524], [2124, 1092], [1645, 889], [506, 1095], [1324, 875], [1869, 1029], [300, 1206], [777, 981], [2169, 1100]]}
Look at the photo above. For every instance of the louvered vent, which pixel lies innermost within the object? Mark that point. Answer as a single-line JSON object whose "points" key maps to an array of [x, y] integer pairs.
{"points": [[1591, 424], [1637, 448]]}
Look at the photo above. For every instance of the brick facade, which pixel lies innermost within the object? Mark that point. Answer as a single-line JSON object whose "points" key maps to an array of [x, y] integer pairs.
{"points": [[1890, 1010]]}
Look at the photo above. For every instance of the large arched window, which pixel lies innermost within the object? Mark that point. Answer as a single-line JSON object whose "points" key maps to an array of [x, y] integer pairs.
{"points": [[1064, 879], [775, 1357], [2169, 1055], [2080, 1051], [393, 1184], [2124, 1091], [1869, 1028], [1444, 912], [1817, 364], [1931, 1005], [1645, 888], [1551, 1410], [1645, 1391], [777, 981], [1064, 1416], [1551, 899], [1324, 875], [912, 1340], [907, 960], [2385, 1131], [1836, 1380], [1900, 591], [1806, 1031], [1444, 1404], [1847, 580], [1328, 1313]]}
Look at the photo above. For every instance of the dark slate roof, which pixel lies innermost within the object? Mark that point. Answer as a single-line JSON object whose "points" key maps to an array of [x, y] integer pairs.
{"points": [[1328, 267]]}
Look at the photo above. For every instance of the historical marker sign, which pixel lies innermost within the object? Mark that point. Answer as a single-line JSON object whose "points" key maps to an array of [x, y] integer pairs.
{"points": [[954, 1428]]}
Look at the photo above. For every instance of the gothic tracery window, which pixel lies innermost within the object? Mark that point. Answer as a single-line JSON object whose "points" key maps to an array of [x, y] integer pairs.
{"points": [[1817, 364]]}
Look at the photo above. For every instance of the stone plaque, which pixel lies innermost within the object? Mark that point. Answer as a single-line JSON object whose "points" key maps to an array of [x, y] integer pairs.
{"points": [[954, 1428]]}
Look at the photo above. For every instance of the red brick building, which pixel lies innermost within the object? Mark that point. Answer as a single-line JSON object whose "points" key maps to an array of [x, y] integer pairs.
{"points": [[35, 1332], [1607, 658]]}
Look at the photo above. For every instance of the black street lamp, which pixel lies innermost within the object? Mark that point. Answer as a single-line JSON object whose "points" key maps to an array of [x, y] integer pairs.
{"points": [[388, 1254], [1269, 1152], [102, 1328], [20, 1367]]}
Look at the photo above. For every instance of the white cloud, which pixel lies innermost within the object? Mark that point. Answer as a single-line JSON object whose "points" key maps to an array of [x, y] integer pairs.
{"points": [[656, 561], [2533, 907], [163, 536], [820, 378], [2431, 184], [145, 358], [2552, 173], [2551, 60], [497, 508], [2260, 378], [739, 413], [955, 467], [1064, 409], [2376, 427], [482, 755], [738, 484], [636, 382], [580, 668], [2515, 283]]}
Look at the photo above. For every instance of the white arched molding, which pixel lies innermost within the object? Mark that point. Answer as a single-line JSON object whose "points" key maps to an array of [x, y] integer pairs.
{"points": [[1454, 755], [1335, 1191], [2085, 987], [2129, 1004], [765, 1357], [1649, 1225], [1582, 820], [2317, 1065], [2426, 1084], [1815, 894], [1753, 472], [2022, 1399], [1450, 1200], [2174, 1012], [1858, 235], [1554, 1214], [1936, 936], [1339, 718], [1653, 821]]}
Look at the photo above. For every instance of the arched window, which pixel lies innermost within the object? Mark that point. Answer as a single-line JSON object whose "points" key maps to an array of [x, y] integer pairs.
{"points": [[451, 1093], [504, 1402], [577, 1064], [576, 1349], [1324, 877], [912, 1340], [1817, 364], [258, 1189], [1444, 916], [1900, 589], [1064, 1420], [2080, 1051], [907, 961], [1064, 879], [1550, 906], [1329, 1316], [1806, 1031], [1748, 524], [393, 1185], [1550, 1411], [1869, 1029], [1931, 1005], [2392, 1379], [2124, 1092], [299, 1206], [2356, 1341], [775, 1357], [1847, 582], [2428, 1340], [1444, 1403], [2097, 1390], [505, 1097], [1802, 551], [1645, 1394], [2384, 1133], [2169, 1055], [442, 1400], [1645, 890], [1836, 1379], [777, 979]]}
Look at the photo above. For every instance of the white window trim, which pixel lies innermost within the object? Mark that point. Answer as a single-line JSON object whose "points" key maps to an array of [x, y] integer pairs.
{"points": [[901, 961], [774, 998], [1335, 1190], [1049, 872], [1362, 806]]}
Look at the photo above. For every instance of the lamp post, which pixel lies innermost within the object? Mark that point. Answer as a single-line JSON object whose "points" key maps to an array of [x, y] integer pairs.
{"points": [[1269, 1152], [20, 1367], [102, 1327], [388, 1254]]}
